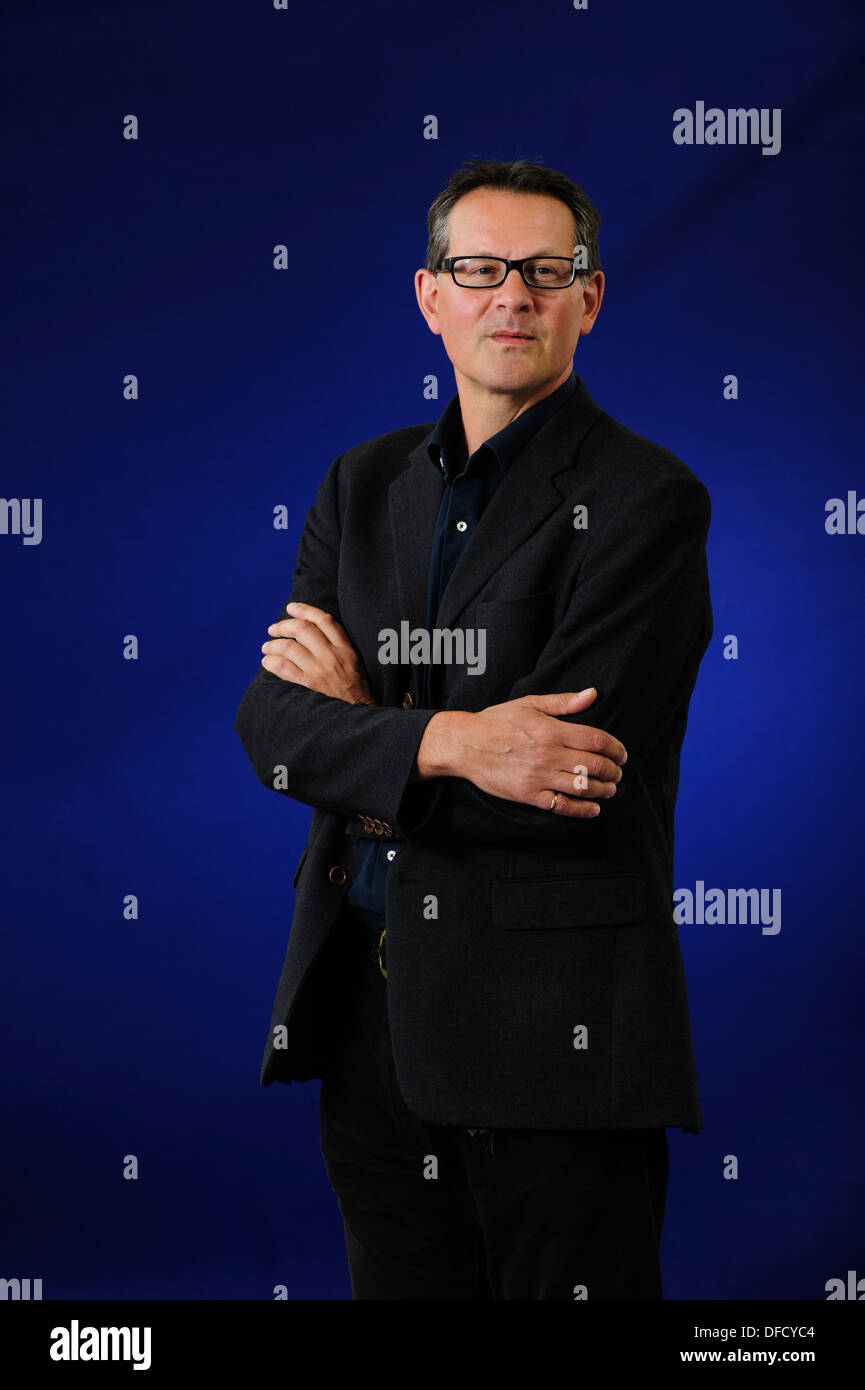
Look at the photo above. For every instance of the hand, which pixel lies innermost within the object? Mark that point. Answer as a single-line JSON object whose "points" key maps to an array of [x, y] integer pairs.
{"points": [[521, 751], [312, 649]]}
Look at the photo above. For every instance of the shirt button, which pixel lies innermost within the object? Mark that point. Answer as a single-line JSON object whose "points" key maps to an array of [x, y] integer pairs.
{"points": [[461, 526], [338, 874], [407, 701], [391, 854]]}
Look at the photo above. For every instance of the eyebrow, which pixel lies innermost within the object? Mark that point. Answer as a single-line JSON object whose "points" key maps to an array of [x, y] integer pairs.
{"points": [[531, 254]]}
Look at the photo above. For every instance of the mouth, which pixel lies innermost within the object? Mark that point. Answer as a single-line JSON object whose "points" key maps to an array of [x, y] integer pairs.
{"points": [[511, 338]]}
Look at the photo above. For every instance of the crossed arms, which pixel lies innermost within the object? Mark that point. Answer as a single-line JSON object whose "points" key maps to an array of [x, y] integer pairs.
{"points": [[634, 632], [518, 751]]}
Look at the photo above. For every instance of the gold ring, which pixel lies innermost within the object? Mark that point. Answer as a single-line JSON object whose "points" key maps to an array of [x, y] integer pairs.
{"points": [[554, 801]]}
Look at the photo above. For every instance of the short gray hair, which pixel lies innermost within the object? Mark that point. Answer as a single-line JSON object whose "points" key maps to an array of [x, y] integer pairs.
{"points": [[514, 176]]}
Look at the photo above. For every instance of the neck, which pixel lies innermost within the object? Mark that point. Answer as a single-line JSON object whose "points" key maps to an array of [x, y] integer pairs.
{"points": [[485, 412]]}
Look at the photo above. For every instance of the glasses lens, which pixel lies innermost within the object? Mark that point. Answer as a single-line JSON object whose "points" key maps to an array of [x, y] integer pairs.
{"points": [[479, 270], [556, 271]]}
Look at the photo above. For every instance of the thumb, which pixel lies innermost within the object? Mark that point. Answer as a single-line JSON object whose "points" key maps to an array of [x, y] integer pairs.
{"points": [[567, 702]]}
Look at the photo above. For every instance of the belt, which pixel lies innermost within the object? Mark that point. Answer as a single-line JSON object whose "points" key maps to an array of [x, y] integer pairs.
{"points": [[375, 950], [375, 934]]}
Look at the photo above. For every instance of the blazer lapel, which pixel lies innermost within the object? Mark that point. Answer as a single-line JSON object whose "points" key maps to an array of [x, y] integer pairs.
{"points": [[523, 500], [414, 498]]}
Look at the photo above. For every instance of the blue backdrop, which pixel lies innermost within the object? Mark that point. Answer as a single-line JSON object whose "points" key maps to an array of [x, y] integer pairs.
{"points": [[153, 258]]}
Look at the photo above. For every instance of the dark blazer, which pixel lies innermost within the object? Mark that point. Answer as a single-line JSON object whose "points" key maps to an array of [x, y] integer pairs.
{"points": [[538, 925]]}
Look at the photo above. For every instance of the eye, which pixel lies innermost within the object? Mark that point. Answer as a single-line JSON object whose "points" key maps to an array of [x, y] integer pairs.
{"points": [[477, 268], [556, 271]]}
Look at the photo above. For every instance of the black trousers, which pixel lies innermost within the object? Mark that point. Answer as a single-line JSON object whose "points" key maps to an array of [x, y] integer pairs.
{"points": [[437, 1211]]}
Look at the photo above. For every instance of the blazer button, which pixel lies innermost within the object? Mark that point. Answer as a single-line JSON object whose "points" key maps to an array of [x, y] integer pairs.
{"points": [[338, 874], [407, 701]]}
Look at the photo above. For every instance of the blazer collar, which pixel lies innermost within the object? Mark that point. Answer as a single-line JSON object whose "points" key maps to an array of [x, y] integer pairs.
{"points": [[446, 444], [522, 501]]}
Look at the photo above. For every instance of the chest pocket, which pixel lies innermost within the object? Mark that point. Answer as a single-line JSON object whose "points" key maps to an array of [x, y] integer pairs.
{"points": [[515, 631], [516, 612]]}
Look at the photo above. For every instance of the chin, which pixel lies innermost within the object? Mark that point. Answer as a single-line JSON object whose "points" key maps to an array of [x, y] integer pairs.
{"points": [[519, 378]]}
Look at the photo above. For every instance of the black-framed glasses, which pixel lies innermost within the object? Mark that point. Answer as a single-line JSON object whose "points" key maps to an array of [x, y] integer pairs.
{"points": [[538, 272]]}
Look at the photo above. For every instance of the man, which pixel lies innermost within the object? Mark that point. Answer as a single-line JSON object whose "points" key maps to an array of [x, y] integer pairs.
{"points": [[481, 687]]}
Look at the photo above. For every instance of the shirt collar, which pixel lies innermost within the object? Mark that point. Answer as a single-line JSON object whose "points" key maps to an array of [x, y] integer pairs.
{"points": [[447, 443]]}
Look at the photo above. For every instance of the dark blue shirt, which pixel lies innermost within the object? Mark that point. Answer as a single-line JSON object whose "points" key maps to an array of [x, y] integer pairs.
{"points": [[469, 487]]}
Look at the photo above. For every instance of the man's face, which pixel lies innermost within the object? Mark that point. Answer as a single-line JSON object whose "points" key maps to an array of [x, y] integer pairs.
{"points": [[474, 323]]}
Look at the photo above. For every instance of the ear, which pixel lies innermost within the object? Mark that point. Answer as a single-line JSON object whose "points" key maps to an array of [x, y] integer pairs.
{"points": [[426, 289], [592, 296]]}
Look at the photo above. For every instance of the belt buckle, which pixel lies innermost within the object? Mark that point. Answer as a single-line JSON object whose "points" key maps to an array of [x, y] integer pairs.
{"points": [[380, 946]]}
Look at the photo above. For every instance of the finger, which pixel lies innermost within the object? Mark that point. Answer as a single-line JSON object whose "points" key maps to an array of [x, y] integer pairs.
{"points": [[286, 670], [557, 706], [564, 702], [590, 765], [305, 632], [326, 622], [584, 738], [324, 631], [566, 805], [289, 651], [578, 784], [305, 610]]}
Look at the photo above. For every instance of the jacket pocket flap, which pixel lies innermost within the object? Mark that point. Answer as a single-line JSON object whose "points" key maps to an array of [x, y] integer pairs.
{"points": [[594, 901], [530, 608]]}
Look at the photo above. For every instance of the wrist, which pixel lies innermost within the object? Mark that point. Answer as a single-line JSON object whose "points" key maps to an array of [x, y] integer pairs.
{"points": [[360, 695], [440, 753]]}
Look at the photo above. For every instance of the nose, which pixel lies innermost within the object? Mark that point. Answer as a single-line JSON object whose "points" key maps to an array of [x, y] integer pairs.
{"points": [[513, 290]]}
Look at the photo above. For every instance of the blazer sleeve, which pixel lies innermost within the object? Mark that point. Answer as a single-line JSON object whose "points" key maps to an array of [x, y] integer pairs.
{"points": [[314, 748], [636, 627]]}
